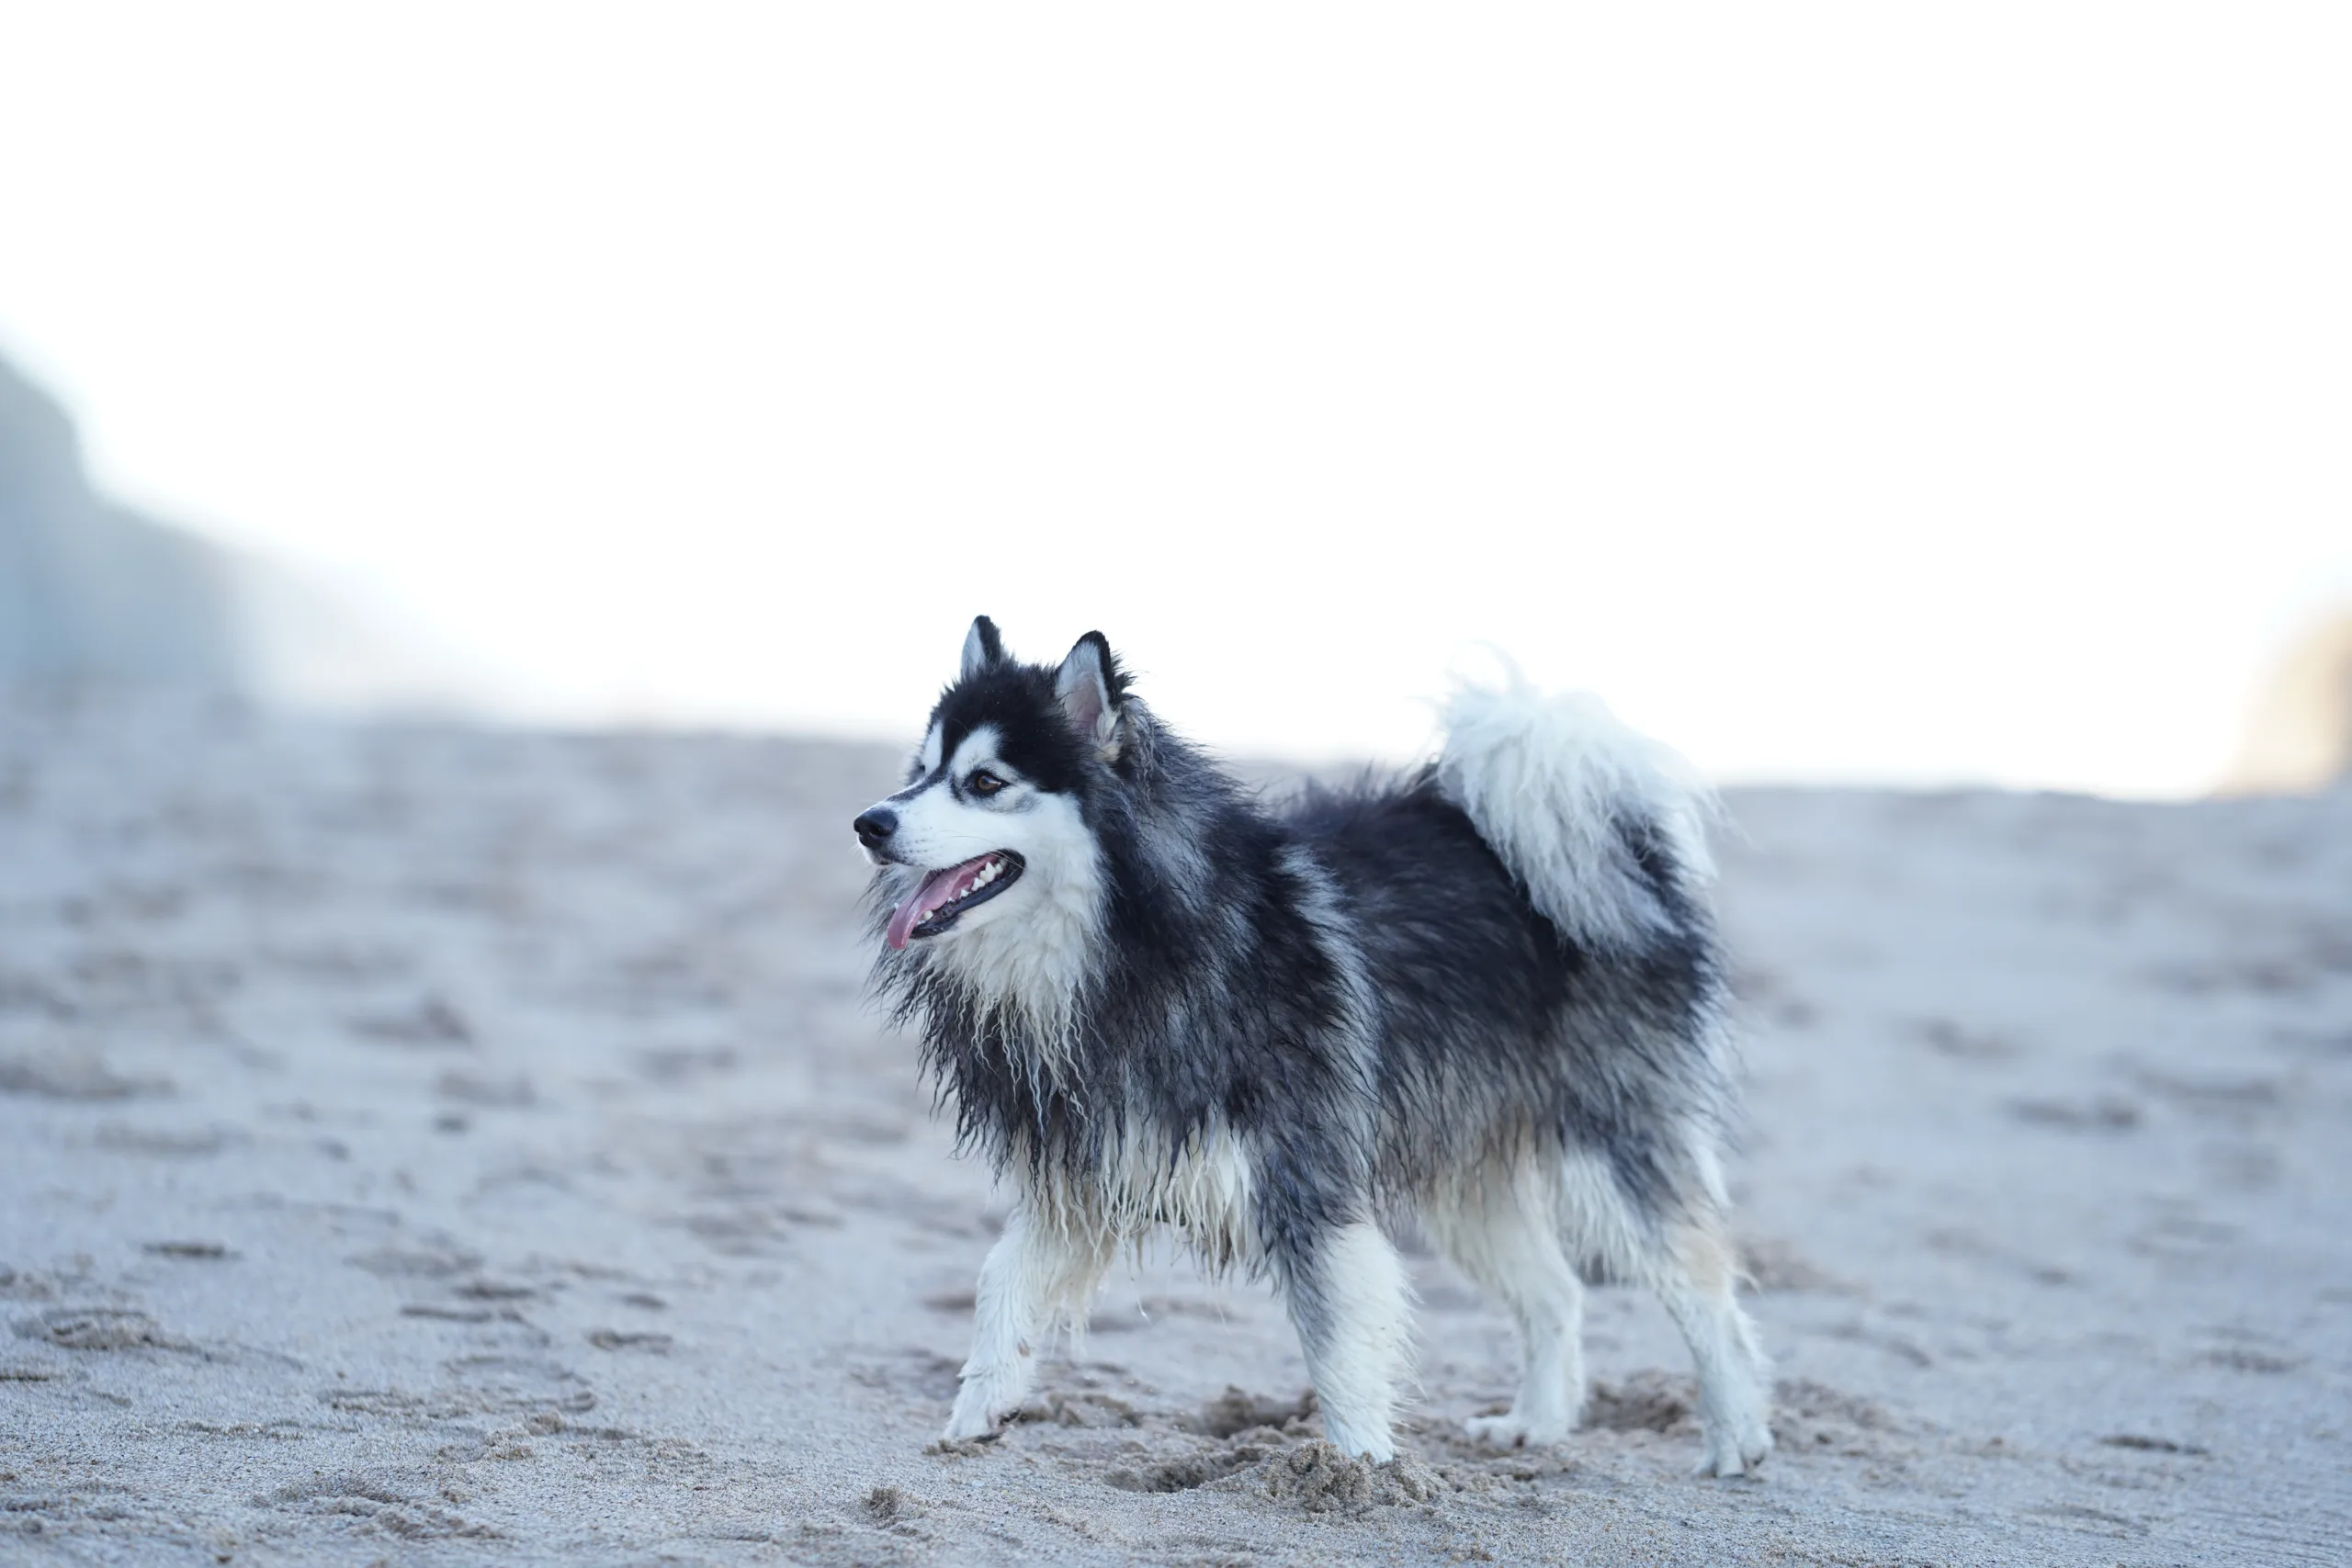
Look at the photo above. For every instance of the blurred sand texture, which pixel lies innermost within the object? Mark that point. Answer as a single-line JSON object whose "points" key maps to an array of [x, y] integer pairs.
{"points": [[446, 1146]]}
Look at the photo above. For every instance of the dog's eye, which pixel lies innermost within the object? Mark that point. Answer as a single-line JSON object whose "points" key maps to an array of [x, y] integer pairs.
{"points": [[983, 781]]}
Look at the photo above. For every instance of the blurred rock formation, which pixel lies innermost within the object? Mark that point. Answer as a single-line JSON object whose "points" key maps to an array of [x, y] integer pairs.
{"points": [[90, 591], [2299, 735], [93, 593]]}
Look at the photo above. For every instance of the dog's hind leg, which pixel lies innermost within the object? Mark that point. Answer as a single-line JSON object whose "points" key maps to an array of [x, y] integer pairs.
{"points": [[1685, 1254], [1504, 1235], [1037, 1270], [1695, 1275], [1347, 1296]]}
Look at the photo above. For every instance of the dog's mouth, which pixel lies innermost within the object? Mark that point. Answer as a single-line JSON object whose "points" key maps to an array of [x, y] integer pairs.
{"points": [[942, 895]]}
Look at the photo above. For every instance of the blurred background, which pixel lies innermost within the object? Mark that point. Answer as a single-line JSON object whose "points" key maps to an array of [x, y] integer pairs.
{"points": [[1851, 394]]}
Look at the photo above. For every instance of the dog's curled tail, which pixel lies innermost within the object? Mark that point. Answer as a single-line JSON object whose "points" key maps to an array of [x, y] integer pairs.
{"points": [[1605, 827]]}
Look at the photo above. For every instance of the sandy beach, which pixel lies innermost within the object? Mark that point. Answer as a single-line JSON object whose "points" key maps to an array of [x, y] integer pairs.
{"points": [[424, 1143]]}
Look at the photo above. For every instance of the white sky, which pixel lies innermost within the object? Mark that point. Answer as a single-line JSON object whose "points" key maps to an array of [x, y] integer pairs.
{"points": [[1856, 393]]}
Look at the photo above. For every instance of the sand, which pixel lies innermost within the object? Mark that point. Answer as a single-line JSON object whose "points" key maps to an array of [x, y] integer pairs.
{"points": [[429, 1145]]}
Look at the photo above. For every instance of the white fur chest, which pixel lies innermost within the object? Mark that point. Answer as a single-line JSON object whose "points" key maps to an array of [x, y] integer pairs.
{"points": [[1200, 1188]]}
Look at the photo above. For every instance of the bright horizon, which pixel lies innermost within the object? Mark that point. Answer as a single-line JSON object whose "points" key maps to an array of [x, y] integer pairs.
{"points": [[1845, 395]]}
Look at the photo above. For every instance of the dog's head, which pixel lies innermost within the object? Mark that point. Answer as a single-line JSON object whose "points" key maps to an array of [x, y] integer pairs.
{"points": [[990, 829]]}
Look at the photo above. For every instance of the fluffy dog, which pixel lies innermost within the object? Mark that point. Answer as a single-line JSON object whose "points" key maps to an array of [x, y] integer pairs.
{"points": [[1486, 997]]}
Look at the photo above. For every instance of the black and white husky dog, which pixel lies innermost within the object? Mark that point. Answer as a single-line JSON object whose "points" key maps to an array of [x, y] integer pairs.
{"points": [[1486, 997]]}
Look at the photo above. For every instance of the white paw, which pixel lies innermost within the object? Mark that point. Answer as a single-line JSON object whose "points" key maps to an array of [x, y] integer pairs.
{"points": [[981, 1405], [1514, 1431], [1369, 1443], [1736, 1447], [964, 1426]]}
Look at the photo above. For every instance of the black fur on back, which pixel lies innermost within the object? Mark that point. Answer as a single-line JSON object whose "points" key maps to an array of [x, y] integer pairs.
{"points": [[1496, 1026]]}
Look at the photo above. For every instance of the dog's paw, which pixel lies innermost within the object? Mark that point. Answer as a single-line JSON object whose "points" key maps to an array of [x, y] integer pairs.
{"points": [[972, 1421], [982, 1404], [1737, 1447], [1513, 1430]]}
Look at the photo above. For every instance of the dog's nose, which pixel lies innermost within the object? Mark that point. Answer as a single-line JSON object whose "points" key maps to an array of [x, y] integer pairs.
{"points": [[874, 826]]}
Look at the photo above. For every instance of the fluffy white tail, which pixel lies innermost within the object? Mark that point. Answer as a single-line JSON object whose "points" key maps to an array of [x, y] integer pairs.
{"points": [[1574, 802]]}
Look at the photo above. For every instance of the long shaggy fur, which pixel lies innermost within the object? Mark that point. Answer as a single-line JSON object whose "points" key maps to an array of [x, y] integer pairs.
{"points": [[1488, 996], [1605, 827]]}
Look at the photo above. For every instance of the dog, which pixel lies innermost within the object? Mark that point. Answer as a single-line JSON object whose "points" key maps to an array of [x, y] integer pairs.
{"points": [[1485, 997]]}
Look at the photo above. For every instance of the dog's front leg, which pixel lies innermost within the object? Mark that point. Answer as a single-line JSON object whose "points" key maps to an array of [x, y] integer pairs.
{"points": [[1037, 1270], [1347, 1295]]}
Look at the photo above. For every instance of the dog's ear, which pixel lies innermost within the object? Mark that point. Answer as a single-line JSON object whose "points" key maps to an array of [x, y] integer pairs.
{"points": [[982, 646], [1091, 689]]}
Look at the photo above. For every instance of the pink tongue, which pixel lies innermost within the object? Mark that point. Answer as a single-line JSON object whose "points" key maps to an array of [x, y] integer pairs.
{"points": [[937, 888]]}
